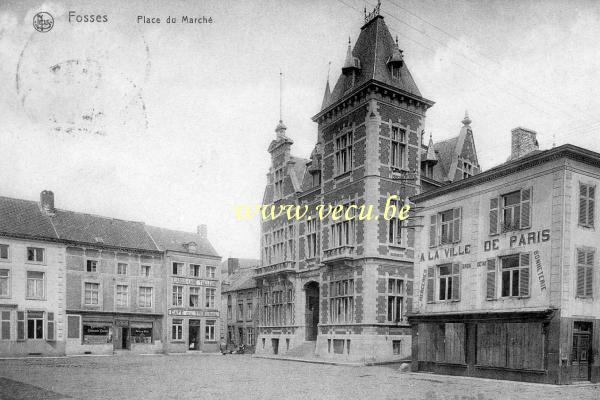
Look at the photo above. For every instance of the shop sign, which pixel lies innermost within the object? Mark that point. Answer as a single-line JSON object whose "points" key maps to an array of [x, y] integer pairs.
{"points": [[95, 330], [192, 313], [520, 239], [194, 282], [539, 269], [448, 252]]}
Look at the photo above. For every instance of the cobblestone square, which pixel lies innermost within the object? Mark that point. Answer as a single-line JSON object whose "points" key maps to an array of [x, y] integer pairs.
{"points": [[232, 377]]}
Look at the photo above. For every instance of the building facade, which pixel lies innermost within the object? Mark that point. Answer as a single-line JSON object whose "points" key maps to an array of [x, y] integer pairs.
{"points": [[341, 289], [192, 275], [240, 299], [506, 270]]}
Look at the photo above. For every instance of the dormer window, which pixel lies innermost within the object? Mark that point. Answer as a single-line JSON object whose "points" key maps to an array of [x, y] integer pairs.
{"points": [[467, 169], [316, 178], [191, 247], [395, 71]]}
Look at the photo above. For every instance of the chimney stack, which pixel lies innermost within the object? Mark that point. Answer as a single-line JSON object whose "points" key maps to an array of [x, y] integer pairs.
{"points": [[233, 264], [47, 201], [202, 231], [523, 142]]}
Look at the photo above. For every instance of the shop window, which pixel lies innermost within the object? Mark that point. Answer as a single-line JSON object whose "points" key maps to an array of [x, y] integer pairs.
{"points": [[91, 293], [73, 326], [35, 324], [35, 284], [210, 298], [177, 329], [587, 200], [341, 301], [338, 346], [396, 347], [91, 266], [4, 283], [121, 269], [142, 334], [4, 252], [195, 270], [209, 330], [343, 153], [5, 325], [211, 272], [515, 275], [398, 148], [585, 273], [122, 298], [35, 254], [194, 297], [145, 270], [511, 211], [177, 268], [145, 294], [177, 296], [395, 293], [97, 333]]}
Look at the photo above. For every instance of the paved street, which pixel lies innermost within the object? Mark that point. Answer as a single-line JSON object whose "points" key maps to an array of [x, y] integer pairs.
{"points": [[230, 377]]}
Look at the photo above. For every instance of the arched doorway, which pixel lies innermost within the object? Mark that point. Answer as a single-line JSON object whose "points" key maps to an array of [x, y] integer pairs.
{"points": [[311, 290]]}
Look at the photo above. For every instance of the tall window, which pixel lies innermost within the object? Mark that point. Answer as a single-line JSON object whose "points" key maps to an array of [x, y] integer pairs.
{"points": [[240, 311], [266, 316], [510, 212], [122, 296], [278, 246], [211, 271], [209, 330], [289, 248], [249, 311], [50, 326], [5, 325], [35, 324], [289, 308], [277, 307], [316, 178], [194, 297], [35, 254], [450, 226], [91, 266], [445, 282], [229, 307], [278, 183], [395, 293], [343, 153], [266, 249], [515, 275], [587, 195], [250, 336], [3, 252], [194, 270], [341, 302], [145, 270], [398, 148], [177, 296], [177, 268], [210, 298], [585, 272], [4, 283], [145, 299], [91, 293], [311, 238], [121, 269], [343, 230], [177, 329], [395, 226], [35, 285]]}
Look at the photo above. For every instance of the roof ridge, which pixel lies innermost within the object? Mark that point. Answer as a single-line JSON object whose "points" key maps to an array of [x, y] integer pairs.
{"points": [[100, 216]]}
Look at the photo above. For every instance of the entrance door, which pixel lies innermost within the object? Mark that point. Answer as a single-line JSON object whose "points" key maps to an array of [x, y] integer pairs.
{"points": [[582, 350], [312, 310], [125, 338], [241, 335], [194, 335]]}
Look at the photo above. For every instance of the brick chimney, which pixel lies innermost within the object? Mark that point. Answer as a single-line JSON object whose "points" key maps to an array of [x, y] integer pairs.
{"points": [[202, 231], [523, 142], [233, 264], [47, 201]]}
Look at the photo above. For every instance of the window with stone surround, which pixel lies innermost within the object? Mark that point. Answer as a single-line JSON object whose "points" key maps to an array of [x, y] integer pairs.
{"points": [[343, 145], [4, 283], [145, 296], [91, 293], [210, 298], [4, 254], [395, 298], [278, 183], [194, 297], [122, 298], [312, 241], [398, 143], [587, 200], [341, 301]]}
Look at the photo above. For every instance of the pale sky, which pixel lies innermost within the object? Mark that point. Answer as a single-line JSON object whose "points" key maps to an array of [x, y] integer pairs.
{"points": [[186, 112]]}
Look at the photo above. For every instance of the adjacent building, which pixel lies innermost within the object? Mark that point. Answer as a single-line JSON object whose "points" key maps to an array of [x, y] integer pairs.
{"points": [[240, 301], [506, 270]]}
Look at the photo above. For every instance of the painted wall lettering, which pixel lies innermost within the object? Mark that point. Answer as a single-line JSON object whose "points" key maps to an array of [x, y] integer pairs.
{"points": [[539, 269], [521, 239], [446, 253]]}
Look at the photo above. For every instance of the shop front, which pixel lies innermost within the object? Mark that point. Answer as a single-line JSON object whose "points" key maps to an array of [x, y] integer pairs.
{"points": [[192, 330]]}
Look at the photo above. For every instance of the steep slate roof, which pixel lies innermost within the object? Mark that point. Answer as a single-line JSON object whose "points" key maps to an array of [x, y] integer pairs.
{"points": [[242, 279], [445, 152], [24, 218], [373, 48], [243, 263], [167, 239]]}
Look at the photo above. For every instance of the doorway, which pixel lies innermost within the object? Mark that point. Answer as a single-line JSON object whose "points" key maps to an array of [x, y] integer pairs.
{"points": [[312, 310], [194, 334], [125, 338], [582, 351]]}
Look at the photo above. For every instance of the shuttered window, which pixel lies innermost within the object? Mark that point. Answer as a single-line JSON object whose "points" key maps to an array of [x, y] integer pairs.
{"points": [[515, 275], [587, 195], [433, 231], [445, 227], [585, 272], [430, 283], [491, 279], [511, 211], [449, 282]]}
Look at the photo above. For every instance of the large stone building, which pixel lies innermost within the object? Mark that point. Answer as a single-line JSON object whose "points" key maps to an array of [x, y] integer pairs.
{"points": [[507, 270], [342, 289]]}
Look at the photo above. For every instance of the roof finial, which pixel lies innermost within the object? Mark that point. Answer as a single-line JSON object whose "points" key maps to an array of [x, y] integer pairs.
{"points": [[553, 139], [466, 120], [397, 41], [328, 68], [280, 95]]}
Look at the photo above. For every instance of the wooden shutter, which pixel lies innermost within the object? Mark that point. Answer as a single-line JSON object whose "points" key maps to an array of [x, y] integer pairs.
{"points": [[456, 282], [491, 279], [20, 325], [581, 271], [433, 231], [430, 283], [524, 275], [583, 204], [590, 205], [494, 215], [457, 225], [525, 208], [589, 270]]}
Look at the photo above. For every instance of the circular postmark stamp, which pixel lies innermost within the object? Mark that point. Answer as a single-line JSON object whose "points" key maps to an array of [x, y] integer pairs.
{"points": [[43, 21]]}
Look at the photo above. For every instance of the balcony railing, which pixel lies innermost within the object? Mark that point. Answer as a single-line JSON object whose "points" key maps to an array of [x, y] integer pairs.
{"points": [[338, 254], [284, 266]]}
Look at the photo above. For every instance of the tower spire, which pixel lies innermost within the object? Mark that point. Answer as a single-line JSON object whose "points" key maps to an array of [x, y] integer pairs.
{"points": [[280, 129], [466, 120]]}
